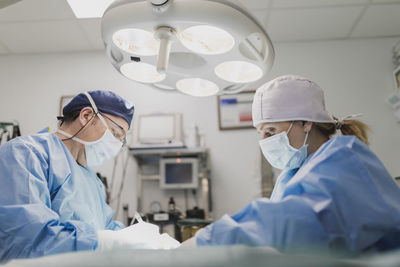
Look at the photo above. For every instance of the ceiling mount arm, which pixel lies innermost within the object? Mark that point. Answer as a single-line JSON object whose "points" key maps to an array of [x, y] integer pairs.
{"points": [[166, 35]]}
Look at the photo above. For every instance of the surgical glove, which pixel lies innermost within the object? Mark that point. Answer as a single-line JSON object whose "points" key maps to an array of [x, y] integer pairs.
{"points": [[138, 236]]}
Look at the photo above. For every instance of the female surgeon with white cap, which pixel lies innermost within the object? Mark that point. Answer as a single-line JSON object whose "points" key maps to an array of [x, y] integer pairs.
{"points": [[333, 193]]}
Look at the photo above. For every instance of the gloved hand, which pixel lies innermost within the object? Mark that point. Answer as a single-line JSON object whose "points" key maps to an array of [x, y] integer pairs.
{"points": [[138, 236]]}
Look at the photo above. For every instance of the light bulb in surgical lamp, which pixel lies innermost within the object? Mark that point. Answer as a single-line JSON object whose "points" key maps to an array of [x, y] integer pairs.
{"points": [[141, 72], [207, 40], [197, 87], [238, 71], [136, 41]]}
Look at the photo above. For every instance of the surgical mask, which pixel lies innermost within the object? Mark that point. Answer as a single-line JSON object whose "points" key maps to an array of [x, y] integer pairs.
{"points": [[100, 151], [280, 154]]}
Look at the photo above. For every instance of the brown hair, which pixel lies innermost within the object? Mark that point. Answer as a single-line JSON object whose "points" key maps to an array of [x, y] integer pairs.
{"points": [[348, 127], [68, 118]]}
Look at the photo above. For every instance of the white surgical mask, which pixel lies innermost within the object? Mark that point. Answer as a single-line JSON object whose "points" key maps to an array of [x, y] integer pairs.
{"points": [[280, 154], [100, 151]]}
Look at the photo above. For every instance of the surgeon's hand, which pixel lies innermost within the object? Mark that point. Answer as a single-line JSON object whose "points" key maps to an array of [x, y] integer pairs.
{"points": [[138, 236]]}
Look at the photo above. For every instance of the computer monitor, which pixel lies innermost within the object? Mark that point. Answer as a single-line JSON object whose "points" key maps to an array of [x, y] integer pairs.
{"points": [[158, 130], [179, 173]]}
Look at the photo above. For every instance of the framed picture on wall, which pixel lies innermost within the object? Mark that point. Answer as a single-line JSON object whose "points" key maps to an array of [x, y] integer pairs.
{"points": [[63, 101], [396, 74], [234, 110]]}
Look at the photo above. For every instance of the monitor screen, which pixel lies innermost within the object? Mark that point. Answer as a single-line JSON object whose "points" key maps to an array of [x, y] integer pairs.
{"points": [[178, 173], [157, 128]]}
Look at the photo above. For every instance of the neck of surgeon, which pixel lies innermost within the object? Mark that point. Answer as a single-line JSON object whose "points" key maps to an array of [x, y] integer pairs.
{"points": [[78, 128], [315, 140], [76, 149]]}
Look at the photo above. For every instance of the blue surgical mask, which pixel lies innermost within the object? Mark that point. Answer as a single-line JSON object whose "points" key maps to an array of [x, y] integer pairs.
{"points": [[280, 154], [100, 151]]}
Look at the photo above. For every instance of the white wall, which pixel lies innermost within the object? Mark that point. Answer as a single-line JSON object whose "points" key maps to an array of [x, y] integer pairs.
{"points": [[355, 74]]}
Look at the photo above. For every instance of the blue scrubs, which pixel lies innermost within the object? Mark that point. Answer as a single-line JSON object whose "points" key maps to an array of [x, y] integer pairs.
{"points": [[48, 203], [342, 198]]}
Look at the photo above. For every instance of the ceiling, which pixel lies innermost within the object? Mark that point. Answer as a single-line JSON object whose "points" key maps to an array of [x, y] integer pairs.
{"points": [[50, 26]]}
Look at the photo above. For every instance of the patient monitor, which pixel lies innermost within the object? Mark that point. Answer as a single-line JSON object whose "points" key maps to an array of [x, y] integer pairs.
{"points": [[158, 131], [179, 173]]}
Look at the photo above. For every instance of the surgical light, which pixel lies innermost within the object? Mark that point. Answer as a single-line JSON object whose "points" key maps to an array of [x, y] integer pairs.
{"points": [[163, 86], [142, 72], [238, 71], [197, 87], [207, 40], [197, 47], [136, 41]]}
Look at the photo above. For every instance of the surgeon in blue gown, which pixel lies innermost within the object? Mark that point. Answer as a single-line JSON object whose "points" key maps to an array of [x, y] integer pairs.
{"points": [[51, 200], [333, 193]]}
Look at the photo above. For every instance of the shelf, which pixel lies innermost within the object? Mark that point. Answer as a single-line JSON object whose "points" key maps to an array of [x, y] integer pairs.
{"points": [[149, 177], [167, 151]]}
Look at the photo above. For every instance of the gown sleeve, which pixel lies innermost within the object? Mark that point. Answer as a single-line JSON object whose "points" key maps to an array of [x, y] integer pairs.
{"points": [[112, 225], [28, 225], [283, 225]]}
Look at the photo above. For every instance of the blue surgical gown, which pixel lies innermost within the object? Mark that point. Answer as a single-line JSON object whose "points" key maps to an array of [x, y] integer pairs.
{"points": [[48, 203], [342, 199]]}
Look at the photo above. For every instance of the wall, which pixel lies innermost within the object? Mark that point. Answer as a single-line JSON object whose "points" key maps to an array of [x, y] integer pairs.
{"points": [[356, 74]]}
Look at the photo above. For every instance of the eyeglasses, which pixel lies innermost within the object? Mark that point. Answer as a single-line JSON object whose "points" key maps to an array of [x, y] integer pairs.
{"points": [[119, 132]]}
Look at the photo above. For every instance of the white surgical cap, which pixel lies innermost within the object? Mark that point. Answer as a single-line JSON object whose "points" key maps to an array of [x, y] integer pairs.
{"points": [[290, 98]]}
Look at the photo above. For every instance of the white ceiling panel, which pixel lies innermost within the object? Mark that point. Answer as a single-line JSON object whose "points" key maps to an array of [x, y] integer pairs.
{"points": [[312, 24], [43, 26], [255, 4], [92, 29], [385, 1], [315, 3], [28, 10], [43, 37], [261, 16], [3, 49], [379, 20]]}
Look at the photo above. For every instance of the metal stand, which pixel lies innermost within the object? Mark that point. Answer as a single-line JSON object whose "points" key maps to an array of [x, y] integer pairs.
{"points": [[9, 130], [149, 159]]}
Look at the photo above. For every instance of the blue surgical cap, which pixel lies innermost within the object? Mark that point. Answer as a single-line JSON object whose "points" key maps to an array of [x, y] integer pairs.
{"points": [[106, 102]]}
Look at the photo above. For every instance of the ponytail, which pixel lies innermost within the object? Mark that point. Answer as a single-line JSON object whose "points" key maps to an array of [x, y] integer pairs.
{"points": [[357, 128], [346, 127]]}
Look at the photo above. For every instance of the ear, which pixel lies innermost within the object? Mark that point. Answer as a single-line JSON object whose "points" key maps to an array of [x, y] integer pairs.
{"points": [[308, 126], [85, 116]]}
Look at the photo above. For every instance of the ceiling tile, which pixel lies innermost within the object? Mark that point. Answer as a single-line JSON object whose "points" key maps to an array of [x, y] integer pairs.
{"points": [[92, 30], [43, 37], [315, 3], [3, 49], [385, 1], [379, 21], [255, 4], [261, 16], [29, 10], [6, 3], [312, 24]]}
